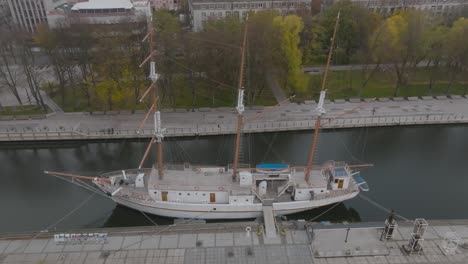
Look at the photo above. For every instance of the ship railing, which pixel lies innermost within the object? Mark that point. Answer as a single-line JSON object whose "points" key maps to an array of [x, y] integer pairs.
{"points": [[128, 172], [334, 193]]}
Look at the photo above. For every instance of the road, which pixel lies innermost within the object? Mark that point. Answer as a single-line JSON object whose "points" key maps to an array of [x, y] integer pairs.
{"points": [[313, 70]]}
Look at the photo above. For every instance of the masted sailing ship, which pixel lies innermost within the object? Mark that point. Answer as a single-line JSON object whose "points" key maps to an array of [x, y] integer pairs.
{"points": [[228, 192]]}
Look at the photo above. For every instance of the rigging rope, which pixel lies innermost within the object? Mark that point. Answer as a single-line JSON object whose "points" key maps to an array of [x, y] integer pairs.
{"points": [[329, 209], [57, 222], [381, 207], [95, 191]]}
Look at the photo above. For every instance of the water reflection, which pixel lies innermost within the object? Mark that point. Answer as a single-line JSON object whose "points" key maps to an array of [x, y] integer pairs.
{"points": [[419, 172]]}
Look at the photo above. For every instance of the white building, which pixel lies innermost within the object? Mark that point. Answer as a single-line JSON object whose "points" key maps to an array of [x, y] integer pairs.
{"points": [[28, 14], [438, 7], [204, 10], [165, 4], [99, 12]]}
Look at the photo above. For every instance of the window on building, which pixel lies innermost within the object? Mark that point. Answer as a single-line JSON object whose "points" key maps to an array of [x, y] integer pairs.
{"points": [[228, 13]]}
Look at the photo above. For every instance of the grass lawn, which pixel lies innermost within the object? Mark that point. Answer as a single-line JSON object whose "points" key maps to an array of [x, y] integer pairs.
{"points": [[221, 96], [22, 110], [346, 84]]}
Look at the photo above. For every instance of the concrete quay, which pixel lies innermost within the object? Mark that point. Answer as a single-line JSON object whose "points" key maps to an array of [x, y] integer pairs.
{"points": [[219, 121], [195, 243]]}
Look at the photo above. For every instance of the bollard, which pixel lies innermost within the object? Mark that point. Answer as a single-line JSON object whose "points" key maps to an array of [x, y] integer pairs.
{"points": [[248, 230]]}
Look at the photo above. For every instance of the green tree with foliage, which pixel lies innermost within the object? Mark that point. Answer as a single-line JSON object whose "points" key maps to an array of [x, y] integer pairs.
{"points": [[289, 56]]}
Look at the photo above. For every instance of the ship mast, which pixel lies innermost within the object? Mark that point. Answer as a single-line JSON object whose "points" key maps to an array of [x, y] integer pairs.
{"points": [[320, 109], [240, 104], [153, 76]]}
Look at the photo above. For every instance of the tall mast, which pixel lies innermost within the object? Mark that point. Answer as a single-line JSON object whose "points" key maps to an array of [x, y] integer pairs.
{"points": [[158, 130], [320, 109], [240, 103]]}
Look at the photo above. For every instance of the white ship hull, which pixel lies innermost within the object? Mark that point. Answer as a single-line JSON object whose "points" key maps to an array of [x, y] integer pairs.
{"points": [[225, 211], [210, 192]]}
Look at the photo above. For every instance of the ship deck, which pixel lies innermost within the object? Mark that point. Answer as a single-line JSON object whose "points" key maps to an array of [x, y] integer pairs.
{"points": [[191, 179]]}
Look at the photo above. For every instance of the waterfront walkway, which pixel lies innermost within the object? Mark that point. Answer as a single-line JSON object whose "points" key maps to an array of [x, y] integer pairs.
{"points": [[231, 243], [207, 121]]}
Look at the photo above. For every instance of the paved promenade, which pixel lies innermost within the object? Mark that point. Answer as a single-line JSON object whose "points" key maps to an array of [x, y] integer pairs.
{"points": [[206, 121], [231, 243]]}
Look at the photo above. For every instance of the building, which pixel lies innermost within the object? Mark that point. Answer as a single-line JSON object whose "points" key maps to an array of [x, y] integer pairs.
{"points": [[5, 15], [28, 14], [99, 12], [388, 7], [204, 10], [165, 4]]}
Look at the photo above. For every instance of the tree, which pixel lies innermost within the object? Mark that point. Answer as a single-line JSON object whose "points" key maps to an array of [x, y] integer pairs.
{"points": [[355, 28], [27, 61], [49, 42], [262, 45], [289, 56], [457, 50], [436, 53], [9, 70], [403, 43]]}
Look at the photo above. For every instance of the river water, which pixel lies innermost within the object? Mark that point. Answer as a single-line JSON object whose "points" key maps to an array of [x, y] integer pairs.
{"points": [[419, 172]]}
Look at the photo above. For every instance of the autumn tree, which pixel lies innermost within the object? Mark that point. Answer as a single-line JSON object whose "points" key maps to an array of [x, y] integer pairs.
{"points": [[403, 43], [457, 51], [289, 57]]}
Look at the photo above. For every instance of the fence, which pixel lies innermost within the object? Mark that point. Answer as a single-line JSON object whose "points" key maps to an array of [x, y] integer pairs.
{"points": [[222, 129]]}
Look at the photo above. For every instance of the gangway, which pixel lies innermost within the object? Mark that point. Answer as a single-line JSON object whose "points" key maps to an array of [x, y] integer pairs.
{"points": [[269, 220]]}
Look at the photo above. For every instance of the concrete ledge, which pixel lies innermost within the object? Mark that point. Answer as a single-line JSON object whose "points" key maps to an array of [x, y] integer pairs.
{"points": [[204, 109], [22, 117], [163, 111], [383, 99], [309, 102], [441, 97], [126, 112], [141, 111], [398, 99], [180, 110], [413, 98], [354, 100], [427, 97], [456, 96], [97, 113], [6, 118], [35, 117], [226, 108], [256, 107], [112, 112], [339, 101]]}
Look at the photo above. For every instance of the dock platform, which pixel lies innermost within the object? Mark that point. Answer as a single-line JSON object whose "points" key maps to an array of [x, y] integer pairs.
{"points": [[219, 243]]}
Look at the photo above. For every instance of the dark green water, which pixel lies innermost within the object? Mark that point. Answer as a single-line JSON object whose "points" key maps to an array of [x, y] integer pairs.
{"points": [[419, 171]]}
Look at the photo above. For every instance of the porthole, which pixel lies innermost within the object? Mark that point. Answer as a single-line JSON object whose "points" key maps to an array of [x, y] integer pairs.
{"points": [[188, 194], [155, 192], [180, 193], [246, 200], [204, 194]]}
